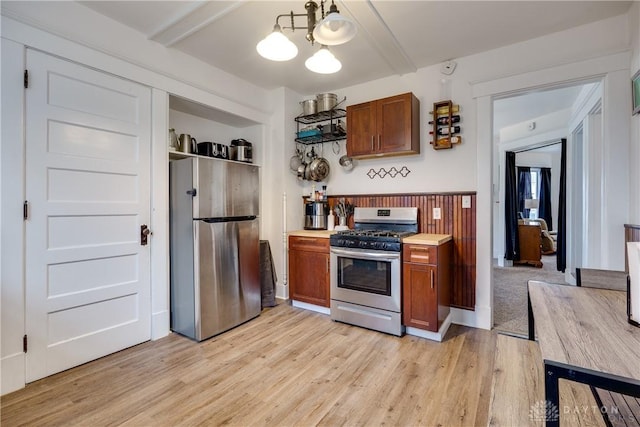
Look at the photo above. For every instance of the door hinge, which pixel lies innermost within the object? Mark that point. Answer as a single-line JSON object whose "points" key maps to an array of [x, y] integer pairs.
{"points": [[24, 343], [26, 79], [25, 210]]}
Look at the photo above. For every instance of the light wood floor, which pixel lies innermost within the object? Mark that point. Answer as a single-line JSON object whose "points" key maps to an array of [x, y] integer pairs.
{"points": [[287, 367]]}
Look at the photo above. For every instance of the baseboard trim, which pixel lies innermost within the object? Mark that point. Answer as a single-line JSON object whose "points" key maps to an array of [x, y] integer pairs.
{"points": [[434, 336], [12, 373], [282, 291], [480, 318], [311, 307], [160, 325]]}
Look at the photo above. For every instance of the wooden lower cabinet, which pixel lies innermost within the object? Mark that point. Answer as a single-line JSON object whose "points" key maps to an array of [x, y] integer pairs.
{"points": [[426, 285], [309, 270]]}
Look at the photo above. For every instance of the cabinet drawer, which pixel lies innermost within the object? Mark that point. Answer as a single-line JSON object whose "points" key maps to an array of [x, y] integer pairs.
{"points": [[312, 244], [420, 254]]}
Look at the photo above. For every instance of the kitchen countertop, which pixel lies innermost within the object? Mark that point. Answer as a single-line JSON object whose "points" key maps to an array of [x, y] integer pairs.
{"points": [[417, 239], [312, 233], [427, 239]]}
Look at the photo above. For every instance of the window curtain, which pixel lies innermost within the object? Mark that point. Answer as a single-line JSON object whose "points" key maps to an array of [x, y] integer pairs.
{"points": [[544, 203], [524, 189], [561, 244], [512, 243]]}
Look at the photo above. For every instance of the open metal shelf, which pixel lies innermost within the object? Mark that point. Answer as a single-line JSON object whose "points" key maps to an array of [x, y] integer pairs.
{"points": [[336, 113]]}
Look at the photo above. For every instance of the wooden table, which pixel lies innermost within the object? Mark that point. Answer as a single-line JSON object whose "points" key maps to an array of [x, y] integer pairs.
{"points": [[584, 336]]}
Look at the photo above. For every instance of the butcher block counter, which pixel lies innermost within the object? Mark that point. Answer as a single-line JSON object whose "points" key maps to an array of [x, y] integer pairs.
{"points": [[427, 239], [322, 234], [416, 239]]}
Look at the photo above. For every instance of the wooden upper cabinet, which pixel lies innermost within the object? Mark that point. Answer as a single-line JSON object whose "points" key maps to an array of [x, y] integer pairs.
{"points": [[361, 125], [384, 127]]}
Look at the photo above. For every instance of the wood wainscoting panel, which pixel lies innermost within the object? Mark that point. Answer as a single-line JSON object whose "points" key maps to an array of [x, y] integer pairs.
{"points": [[454, 220]]}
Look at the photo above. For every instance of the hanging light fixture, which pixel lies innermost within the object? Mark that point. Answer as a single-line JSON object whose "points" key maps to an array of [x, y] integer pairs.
{"points": [[276, 46], [332, 30], [323, 62]]}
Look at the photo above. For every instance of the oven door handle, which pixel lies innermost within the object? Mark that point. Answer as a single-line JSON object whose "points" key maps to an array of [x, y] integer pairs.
{"points": [[389, 256]]}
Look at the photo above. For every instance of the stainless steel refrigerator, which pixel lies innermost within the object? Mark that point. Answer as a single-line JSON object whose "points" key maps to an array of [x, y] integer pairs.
{"points": [[214, 245]]}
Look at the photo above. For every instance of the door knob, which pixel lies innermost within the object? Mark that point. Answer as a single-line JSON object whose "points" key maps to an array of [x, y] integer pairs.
{"points": [[144, 234]]}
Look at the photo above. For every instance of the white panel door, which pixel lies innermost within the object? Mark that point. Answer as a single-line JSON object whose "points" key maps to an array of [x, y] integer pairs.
{"points": [[88, 138]]}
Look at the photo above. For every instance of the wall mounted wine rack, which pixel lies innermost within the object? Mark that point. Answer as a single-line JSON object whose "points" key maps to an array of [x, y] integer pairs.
{"points": [[445, 125]]}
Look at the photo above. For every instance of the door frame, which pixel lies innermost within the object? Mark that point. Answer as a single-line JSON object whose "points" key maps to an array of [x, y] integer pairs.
{"points": [[13, 193], [614, 72]]}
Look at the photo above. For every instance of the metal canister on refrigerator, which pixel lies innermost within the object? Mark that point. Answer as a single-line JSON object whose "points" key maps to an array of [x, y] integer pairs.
{"points": [[241, 150]]}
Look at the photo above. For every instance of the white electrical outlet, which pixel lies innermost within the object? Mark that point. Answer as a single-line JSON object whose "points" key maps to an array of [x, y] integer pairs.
{"points": [[466, 202], [437, 213]]}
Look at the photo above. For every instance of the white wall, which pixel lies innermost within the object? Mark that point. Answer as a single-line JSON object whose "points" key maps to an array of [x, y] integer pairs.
{"points": [[73, 21], [206, 86], [634, 155], [12, 302], [543, 124], [465, 167], [70, 30]]}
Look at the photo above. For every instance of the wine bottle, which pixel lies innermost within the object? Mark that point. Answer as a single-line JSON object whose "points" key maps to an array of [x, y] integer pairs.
{"points": [[447, 142], [445, 110], [445, 130], [445, 120]]}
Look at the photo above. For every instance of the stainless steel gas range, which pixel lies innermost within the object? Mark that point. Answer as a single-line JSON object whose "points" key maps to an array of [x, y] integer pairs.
{"points": [[366, 268]]}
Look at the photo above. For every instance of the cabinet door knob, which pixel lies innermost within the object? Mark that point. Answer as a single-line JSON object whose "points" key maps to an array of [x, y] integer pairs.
{"points": [[431, 279], [372, 142]]}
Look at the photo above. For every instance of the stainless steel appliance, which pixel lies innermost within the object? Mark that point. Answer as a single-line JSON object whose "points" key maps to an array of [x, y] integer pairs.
{"points": [[366, 268], [241, 150], [215, 252], [315, 215]]}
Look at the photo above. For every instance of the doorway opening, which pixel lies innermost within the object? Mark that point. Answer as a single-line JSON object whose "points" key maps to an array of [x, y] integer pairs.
{"points": [[532, 125]]}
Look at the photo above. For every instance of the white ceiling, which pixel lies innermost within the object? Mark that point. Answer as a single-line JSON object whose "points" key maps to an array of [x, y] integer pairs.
{"points": [[394, 37], [528, 106]]}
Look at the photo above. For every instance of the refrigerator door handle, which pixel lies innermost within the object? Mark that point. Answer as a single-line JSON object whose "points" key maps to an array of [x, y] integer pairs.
{"points": [[227, 219]]}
